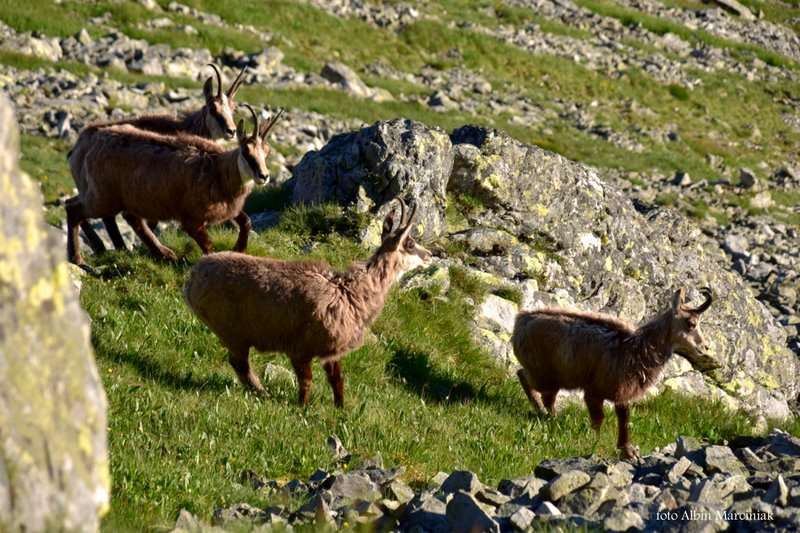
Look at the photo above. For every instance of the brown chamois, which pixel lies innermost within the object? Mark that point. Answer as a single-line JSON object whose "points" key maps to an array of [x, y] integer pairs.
{"points": [[605, 357], [213, 121], [150, 176], [302, 308]]}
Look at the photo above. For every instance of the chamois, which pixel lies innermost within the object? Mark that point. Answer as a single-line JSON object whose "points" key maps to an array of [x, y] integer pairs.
{"points": [[213, 121], [605, 357], [302, 308], [151, 176]]}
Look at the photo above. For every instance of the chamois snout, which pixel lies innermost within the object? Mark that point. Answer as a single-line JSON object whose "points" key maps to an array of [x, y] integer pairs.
{"points": [[687, 339], [253, 149]]}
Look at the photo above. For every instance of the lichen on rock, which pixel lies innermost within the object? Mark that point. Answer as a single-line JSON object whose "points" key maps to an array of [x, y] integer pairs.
{"points": [[53, 461]]}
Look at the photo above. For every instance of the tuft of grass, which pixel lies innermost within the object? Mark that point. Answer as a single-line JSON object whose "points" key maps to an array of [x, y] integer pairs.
{"points": [[678, 92], [467, 283]]}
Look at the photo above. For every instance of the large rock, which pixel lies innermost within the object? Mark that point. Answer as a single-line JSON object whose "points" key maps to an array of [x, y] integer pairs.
{"points": [[587, 247], [53, 461], [370, 167]]}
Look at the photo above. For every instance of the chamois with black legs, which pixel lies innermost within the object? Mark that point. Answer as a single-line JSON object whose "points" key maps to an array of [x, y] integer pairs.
{"points": [[150, 176], [212, 121]]}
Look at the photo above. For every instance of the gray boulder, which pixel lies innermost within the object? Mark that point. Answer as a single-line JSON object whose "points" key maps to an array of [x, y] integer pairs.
{"points": [[591, 247], [465, 515], [53, 459], [346, 78], [367, 168]]}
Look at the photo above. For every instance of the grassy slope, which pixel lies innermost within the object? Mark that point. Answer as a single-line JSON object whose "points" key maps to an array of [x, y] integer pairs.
{"points": [[182, 430], [419, 393]]}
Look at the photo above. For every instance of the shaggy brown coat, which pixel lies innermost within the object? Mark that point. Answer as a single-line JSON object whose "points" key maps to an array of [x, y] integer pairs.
{"points": [[213, 121], [605, 357], [150, 176], [304, 309]]}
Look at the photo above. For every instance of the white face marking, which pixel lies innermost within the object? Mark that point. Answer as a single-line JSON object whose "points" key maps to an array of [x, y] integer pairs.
{"points": [[409, 262], [226, 109]]}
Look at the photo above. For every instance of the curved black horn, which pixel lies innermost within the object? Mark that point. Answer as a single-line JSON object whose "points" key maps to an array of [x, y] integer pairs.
{"points": [[705, 291], [272, 122], [403, 208], [236, 83], [412, 216], [219, 79], [255, 120]]}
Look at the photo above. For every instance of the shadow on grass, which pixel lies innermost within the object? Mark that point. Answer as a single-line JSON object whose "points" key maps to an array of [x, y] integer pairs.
{"points": [[154, 371], [415, 371]]}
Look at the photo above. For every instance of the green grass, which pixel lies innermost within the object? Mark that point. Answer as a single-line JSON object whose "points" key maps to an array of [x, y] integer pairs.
{"points": [[182, 430]]}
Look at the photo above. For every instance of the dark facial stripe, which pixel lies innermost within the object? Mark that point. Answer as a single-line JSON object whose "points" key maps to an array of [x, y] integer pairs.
{"points": [[252, 162]]}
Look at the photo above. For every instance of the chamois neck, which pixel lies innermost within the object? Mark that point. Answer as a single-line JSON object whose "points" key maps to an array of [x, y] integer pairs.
{"points": [[195, 123], [368, 286], [653, 339], [229, 179]]}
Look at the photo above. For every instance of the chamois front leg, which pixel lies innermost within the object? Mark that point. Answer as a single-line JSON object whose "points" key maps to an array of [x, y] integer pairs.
{"points": [[92, 238], [199, 233], [240, 361], [533, 396], [244, 231], [147, 237], [549, 398], [302, 368], [334, 371], [75, 216], [627, 450], [595, 407]]}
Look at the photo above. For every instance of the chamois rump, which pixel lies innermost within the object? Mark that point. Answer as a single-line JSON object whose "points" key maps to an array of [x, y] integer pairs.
{"points": [[605, 357], [302, 308], [150, 176], [213, 121]]}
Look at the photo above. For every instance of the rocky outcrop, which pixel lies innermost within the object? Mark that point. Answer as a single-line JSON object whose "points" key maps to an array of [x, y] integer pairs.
{"points": [[586, 246], [747, 485], [53, 462], [367, 168]]}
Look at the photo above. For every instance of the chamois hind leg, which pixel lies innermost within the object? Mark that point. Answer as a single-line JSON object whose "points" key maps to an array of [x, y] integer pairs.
{"points": [[113, 232], [92, 238], [627, 450], [302, 367], [244, 231], [334, 371], [240, 361], [147, 237], [75, 216], [200, 236], [533, 396]]}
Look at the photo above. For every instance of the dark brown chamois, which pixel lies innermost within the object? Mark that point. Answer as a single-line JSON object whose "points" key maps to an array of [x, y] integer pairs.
{"points": [[302, 308], [603, 356], [150, 176], [212, 121]]}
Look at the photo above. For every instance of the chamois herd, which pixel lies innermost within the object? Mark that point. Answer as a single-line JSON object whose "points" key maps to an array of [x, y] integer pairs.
{"points": [[159, 168]]}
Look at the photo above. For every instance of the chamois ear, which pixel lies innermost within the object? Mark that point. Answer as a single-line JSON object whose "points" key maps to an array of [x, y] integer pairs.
{"points": [[388, 224], [240, 130], [208, 89], [677, 299]]}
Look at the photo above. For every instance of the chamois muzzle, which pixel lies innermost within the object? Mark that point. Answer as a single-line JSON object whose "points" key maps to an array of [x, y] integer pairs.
{"points": [[261, 179]]}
